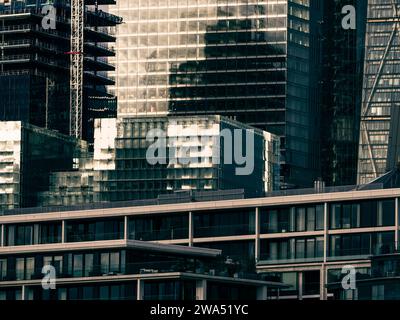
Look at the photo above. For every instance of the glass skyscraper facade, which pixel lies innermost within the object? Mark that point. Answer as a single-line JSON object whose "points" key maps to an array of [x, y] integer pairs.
{"points": [[341, 84], [35, 64], [27, 156], [379, 134], [196, 157], [245, 59]]}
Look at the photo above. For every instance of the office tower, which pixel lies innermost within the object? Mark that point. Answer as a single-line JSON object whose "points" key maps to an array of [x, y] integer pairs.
{"points": [[252, 61], [189, 161], [199, 153], [27, 156], [35, 63], [341, 85], [379, 132]]}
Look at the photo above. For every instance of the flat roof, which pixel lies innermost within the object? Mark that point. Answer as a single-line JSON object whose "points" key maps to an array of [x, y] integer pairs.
{"points": [[183, 196], [201, 206]]}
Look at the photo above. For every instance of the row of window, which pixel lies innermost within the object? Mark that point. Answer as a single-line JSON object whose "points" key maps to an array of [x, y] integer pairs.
{"points": [[66, 265], [94, 263], [339, 246], [349, 215]]}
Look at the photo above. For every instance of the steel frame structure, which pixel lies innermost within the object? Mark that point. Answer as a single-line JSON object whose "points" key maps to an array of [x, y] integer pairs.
{"points": [[76, 68], [387, 55]]}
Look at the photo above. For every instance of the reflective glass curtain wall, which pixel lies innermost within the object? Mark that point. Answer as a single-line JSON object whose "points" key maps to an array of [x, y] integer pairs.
{"points": [[378, 150], [226, 57]]}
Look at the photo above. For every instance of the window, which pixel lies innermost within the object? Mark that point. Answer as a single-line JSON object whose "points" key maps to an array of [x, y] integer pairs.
{"points": [[319, 225], [301, 219], [175, 226], [78, 265], [335, 216], [3, 269], [361, 244], [310, 248], [107, 229], [89, 264], [386, 212], [28, 234], [311, 219], [111, 262], [224, 223], [300, 248], [20, 268]]}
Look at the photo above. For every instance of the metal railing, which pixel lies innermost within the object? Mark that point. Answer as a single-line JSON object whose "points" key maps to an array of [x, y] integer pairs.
{"points": [[163, 234], [307, 191]]}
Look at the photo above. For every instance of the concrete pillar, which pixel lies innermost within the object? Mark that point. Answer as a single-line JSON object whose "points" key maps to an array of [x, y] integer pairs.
{"points": [[257, 244], [139, 290], [126, 227], [396, 221], [63, 233], [300, 284], [322, 283], [190, 236], [2, 239], [23, 293], [201, 290], [326, 228], [262, 293]]}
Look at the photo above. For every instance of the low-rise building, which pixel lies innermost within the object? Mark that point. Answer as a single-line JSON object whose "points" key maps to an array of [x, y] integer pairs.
{"points": [[301, 238]]}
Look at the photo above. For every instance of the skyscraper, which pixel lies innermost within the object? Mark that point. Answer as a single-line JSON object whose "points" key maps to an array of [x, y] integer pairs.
{"points": [[341, 85], [253, 61], [35, 63], [28, 155], [198, 153], [379, 133]]}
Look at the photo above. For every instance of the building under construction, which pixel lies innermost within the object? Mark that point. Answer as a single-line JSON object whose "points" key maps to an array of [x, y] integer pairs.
{"points": [[35, 67]]}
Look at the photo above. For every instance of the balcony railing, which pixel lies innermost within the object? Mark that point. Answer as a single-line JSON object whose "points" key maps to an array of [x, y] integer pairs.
{"points": [[217, 268], [163, 234], [74, 237], [224, 230]]}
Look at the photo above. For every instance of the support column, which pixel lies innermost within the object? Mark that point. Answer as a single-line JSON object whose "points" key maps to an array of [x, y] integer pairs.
{"points": [[325, 231], [300, 284], [2, 236], [63, 233], [139, 290], [262, 293], [257, 244], [201, 290], [190, 229], [322, 283], [23, 293], [396, 221], [126, 227], [322, 278]]}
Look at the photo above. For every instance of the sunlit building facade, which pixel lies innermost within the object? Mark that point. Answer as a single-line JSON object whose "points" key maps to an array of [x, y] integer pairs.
{"points": [[247, 60], [189, 153], [379, 134], [27, 156]]}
